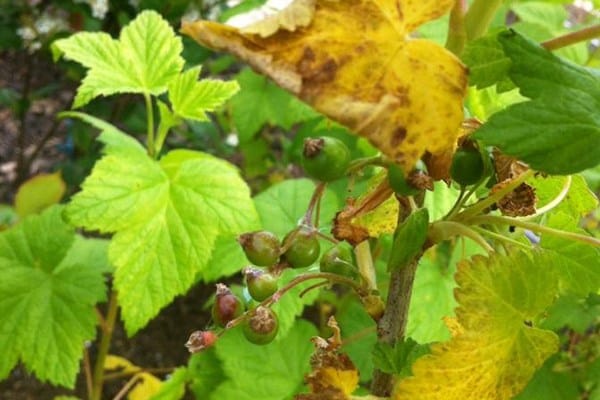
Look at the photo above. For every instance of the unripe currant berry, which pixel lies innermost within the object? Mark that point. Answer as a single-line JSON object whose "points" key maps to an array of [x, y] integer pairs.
{"points": [[399, 183], [338, 260], [227, 306], [261, 247], [325, 158], [261, 285], [467, 166], [262, 326], [302, 248]]}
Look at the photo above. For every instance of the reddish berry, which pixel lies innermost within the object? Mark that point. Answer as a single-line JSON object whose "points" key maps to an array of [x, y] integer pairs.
{"points": [[200, 340], [261, 328], [261, 247], [227, 306]]}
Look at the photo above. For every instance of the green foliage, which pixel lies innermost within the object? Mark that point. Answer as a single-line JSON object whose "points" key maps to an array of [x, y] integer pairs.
{"points": [[189, 199], [397, 359], [261, 102], [145, 58], [409, 239], [51, 281], [557, 131], [486, 61]]}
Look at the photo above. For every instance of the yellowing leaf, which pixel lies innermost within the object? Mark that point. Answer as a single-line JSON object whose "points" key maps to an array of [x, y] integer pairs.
{"points": [[495, 348], [356, 63], [115, 362], [334, 376], [147, 386], [38, 193]]}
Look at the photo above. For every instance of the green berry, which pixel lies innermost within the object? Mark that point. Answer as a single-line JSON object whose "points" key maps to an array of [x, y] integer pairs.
{"points": [[325, 158], [262, 326], [303, 248], [261, 285], [398, 182], [338, 260], [467, 167], [261, 247], [227, 306]]}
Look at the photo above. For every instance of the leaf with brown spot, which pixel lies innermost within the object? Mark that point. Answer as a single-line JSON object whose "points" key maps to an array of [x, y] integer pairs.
{"points": [[521, 201], [356, 63]]}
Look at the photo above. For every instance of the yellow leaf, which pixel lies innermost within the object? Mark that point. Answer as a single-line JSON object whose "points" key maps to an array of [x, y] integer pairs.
{"points": [[115, 362], [147, 386], [38, 193], [495, 349], [356, 63]]}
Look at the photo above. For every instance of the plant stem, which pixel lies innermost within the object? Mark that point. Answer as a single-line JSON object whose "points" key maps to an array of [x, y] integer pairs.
{"points": [[88, 372], [479, 207], [500, 238], [568, 39], [150, 125], [111, 318], [479, 16], [364, 260], [442, 230], [457, 35], [22, 170], [497, 219], [391, 328], [130, 383]]}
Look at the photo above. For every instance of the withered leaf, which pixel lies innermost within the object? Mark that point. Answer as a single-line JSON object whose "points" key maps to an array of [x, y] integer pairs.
{"points": [[356, 63]]}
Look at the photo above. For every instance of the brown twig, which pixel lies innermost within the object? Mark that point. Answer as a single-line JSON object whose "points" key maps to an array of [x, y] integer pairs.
{"points": [[568, 39]]}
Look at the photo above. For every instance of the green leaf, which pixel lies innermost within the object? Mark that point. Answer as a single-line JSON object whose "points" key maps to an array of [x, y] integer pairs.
{"points": [[547, 384], [409, 239], [51, 281], [166, 217], [272, 372], [38, 193], [558, 131], [144, 59], [205, 373], [486, 61], [578, 201], [282, 206], [577, 264], [433, 290], [398, 359], [174, 387], [261, 102], [573, 312], [359, 335], [191, 99]]}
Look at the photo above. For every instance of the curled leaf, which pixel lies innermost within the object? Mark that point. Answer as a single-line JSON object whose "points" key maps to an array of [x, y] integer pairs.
{"points": [[356, 63]]}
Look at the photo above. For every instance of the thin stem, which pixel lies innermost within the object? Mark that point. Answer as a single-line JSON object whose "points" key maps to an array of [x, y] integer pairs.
{"points": [[150, 124], [555, 202], [364, 260], [88, 372], [442, 230], [314, 200], [119, 375], [22, 115], [130, 383], [111, 318], [479, 16], [333, 278], [457, 35], [479, 207], [457, 205], [497, 219], [499, 237], [360, 163], [568, 39], [392, 325], [312, 287]]}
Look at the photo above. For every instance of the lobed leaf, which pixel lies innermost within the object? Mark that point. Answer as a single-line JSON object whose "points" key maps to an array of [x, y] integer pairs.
{"points": [[165, 216], [356, 64], [51, 281], [500, 300], [144, 59]]}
